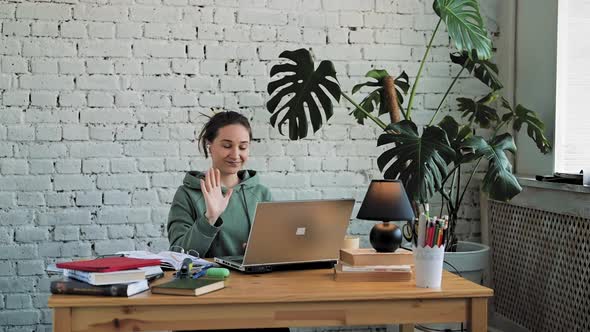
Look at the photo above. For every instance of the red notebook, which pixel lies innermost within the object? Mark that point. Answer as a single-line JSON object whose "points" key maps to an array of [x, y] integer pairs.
{"points": [[108, 264]]}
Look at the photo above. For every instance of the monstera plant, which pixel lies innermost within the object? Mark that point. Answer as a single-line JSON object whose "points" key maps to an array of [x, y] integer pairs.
{"points": [[429, 160]]}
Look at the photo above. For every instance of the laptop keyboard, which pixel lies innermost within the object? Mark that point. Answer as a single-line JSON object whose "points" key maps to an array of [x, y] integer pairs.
{"points": [[235, 259]]}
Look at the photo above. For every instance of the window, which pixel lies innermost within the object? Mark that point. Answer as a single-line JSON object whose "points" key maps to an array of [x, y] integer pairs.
{"points": [[572, 122], [534, 74]]}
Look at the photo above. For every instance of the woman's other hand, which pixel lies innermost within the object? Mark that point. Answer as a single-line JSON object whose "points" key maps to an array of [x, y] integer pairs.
{"points": [[214, 200]]}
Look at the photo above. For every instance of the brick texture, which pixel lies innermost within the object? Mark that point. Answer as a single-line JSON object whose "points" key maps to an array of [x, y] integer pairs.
{"points": [[101, 102]]}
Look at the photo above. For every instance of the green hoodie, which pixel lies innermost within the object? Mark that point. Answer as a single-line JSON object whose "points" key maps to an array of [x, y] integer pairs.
{"points": [[188, 227]]}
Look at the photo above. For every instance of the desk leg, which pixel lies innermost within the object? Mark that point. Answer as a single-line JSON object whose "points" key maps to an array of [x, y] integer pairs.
{"points": [[406, 328], [478, 315], [62, 319]]}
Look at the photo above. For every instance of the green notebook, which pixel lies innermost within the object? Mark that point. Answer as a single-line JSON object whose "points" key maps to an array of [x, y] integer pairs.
{"points": [[190, 287]]}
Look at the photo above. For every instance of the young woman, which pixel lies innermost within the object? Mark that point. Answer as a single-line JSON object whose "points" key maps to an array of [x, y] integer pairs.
{"points": [[212, 211]]}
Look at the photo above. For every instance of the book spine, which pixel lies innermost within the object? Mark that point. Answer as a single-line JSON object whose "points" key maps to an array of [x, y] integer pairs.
{"points": [[371, 260], [347, 258], [80, 288], [78, 275], [372, 277], [393, 268]]}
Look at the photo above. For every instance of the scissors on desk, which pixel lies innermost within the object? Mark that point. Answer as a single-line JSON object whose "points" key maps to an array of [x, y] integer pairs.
{"points": [[410, 232]]}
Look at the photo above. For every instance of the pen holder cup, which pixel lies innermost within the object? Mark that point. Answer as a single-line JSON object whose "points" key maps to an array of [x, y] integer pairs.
{"points": [[428, 263]]}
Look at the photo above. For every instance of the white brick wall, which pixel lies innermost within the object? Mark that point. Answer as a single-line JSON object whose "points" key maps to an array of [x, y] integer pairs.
{"points": [[101, 103]]}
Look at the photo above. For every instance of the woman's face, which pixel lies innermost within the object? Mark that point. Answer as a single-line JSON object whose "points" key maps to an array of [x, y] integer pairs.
{"points": [[230, 149]]}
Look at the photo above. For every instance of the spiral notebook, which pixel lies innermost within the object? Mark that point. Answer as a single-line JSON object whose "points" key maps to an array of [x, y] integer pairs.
{"points": [[170, 260]]}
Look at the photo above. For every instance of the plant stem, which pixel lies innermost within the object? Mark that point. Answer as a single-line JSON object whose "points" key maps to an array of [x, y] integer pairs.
{"points": [[450, 205], [468, 181], [409, 111], [499, 127], [448, 175], [450, 194], [471, 122], [452, 190], [446, 94], [369, 115], [442, 202], [458, 188]]}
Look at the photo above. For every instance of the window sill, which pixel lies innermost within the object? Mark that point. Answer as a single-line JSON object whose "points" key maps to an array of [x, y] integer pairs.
{"points": [[531, 182], [560, 198]]}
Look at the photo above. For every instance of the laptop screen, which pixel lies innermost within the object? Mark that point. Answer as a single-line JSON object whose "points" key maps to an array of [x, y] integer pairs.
{"points": [[298, 231]]}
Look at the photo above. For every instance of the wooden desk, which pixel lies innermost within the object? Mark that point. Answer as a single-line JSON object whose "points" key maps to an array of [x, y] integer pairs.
{"points": [[280, 299]]}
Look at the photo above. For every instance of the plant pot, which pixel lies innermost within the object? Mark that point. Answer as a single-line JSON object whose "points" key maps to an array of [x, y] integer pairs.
{"points": [[470, 260]]}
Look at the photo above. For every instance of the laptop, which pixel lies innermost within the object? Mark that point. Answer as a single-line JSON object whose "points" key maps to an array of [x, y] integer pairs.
{"points": [[292, 235]]}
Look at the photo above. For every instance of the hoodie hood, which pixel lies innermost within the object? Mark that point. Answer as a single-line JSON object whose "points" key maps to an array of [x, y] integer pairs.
{"points": [[248, 178]]}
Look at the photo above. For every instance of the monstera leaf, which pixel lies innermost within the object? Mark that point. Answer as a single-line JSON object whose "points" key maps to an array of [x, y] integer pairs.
{"points": [[465, 26], [300, 85], [535, 127], [369, 104], [499, 182], [419, 161], [376, 97], [456, 134], [484, 70], [478, 111]]}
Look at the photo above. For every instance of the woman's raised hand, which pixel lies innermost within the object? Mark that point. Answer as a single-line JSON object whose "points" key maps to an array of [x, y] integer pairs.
{"points": [[214, 199]]}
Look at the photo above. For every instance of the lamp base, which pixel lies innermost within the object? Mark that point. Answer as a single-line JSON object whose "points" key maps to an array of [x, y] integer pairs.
{"points": [[385, 237]]}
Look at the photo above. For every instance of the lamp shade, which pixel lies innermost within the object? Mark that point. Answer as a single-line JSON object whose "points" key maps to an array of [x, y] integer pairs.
{"points": [[386, 200]]}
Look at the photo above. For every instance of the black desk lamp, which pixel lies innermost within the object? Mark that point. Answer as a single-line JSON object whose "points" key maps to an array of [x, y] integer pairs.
{"points": [[386, 200]]}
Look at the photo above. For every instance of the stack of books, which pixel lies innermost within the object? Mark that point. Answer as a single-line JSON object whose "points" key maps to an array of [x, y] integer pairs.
{"points": [[111, 276], [368, 265]]}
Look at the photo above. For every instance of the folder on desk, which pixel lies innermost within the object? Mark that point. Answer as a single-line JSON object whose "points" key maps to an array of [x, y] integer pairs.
{"points": [[108, 264]]}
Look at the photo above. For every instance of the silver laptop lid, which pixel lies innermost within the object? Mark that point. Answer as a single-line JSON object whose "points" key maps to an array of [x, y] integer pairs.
{"points": [[298, 231]]}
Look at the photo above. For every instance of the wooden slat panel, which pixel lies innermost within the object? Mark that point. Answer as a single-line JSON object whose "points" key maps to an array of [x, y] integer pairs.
{"points": [[141, 318]]}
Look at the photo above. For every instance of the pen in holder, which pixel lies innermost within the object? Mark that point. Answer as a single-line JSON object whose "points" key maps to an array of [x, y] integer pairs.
{"points": [[429, 250]]}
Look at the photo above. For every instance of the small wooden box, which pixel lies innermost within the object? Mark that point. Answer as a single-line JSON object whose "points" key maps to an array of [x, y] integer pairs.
{"points": [[368, 256]]}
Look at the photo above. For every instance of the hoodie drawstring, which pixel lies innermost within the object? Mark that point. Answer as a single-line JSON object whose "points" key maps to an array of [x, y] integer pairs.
{"points": [[246, 207]]}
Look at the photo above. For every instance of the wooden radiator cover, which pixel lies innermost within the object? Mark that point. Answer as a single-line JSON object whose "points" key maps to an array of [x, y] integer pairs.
{"points": [[540, 267]]}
